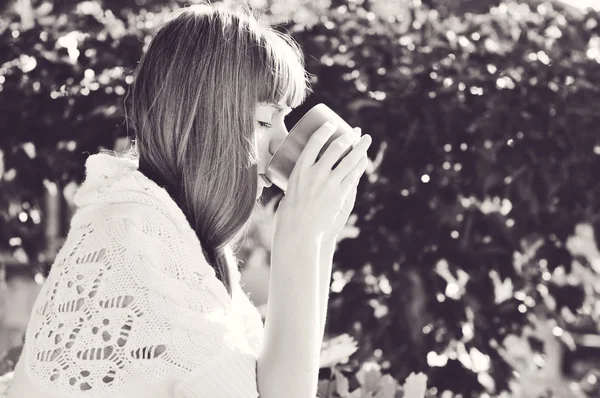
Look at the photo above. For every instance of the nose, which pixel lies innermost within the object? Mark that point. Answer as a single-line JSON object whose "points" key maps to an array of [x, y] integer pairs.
{"points": [[267, 182], [273, 145]]}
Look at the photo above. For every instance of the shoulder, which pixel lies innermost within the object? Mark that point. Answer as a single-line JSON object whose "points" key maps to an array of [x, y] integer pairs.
{"points": [[147, 241], [130, 222], [135, 227]]}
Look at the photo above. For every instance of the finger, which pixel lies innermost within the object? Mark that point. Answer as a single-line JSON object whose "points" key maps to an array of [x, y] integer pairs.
{"points": [[351, 198], [338, 148], [315, 143], [348, 205], [353, 190], [353, 178], [351, 159]]}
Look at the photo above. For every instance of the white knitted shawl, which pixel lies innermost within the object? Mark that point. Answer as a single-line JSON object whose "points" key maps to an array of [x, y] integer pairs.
{"points": [[131, 307]]}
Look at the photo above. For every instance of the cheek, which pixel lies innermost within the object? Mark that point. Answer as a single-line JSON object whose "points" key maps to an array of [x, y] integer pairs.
{"points": [[262, 146], [259, 190], [262, 137]]}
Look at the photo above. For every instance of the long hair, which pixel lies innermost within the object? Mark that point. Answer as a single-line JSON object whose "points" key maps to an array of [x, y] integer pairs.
{"points": [[192, 107]]}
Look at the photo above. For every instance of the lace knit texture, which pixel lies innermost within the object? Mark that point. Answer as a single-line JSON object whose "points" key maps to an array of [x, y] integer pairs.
{"points": [[131, 307]]}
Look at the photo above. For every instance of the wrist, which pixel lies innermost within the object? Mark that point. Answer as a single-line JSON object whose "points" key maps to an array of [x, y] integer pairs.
{"points": [[288, 243], [296, 234]]}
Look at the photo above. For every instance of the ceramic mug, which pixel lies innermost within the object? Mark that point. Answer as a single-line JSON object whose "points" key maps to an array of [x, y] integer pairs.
{"points": [[284, 159]]}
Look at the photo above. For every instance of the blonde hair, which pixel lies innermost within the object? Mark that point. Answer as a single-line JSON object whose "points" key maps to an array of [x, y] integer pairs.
{"points": [[192, 106]]}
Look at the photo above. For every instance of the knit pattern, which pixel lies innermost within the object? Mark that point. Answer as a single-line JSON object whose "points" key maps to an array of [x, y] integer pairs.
{"points": [[131, 307]]}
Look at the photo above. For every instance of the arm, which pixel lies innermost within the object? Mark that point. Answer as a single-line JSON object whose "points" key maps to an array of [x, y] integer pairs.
{"points": [[325, 265], [288, 364]]}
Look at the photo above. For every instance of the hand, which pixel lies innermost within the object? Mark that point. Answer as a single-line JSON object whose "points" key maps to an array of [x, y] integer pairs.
{"points": [[340, 222], [317, 194], [342, 218]]}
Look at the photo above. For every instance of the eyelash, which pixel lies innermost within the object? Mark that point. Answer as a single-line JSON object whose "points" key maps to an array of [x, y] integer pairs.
{"points": [[265, 124]]}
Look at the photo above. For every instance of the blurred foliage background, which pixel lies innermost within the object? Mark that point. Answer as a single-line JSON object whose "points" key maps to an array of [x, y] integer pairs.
{"points": [[472, 256]]}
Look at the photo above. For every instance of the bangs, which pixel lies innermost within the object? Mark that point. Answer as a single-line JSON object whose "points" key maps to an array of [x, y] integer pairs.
{"points": [[285, 78]]}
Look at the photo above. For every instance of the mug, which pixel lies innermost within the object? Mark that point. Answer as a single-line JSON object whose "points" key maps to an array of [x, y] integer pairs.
{"points": [[286, 155]]}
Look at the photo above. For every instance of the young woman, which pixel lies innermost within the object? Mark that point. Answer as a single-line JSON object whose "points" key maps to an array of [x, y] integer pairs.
{"points": [[144, 298]]}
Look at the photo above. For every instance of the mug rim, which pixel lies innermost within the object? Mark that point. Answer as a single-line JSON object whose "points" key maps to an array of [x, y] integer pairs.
{"points": [[319, 105]]}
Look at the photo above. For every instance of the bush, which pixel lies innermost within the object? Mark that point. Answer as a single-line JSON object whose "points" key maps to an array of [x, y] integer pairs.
{"points": [[485, 158], [485, 143]]}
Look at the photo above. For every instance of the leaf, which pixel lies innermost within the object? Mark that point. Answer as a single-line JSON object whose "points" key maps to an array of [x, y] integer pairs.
{"points": [[359, 393], [387, 387], [337, 350], [369, 377], [415, 385], [342, 385], [5, 382], [503, 290], [326, 389]]}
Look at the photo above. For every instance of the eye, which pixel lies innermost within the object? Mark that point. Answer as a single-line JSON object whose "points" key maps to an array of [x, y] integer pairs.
{"points": [[265, 125]]}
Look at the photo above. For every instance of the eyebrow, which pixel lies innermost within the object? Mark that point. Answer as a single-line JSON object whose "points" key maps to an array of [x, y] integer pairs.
{"points": [[280, 108]]}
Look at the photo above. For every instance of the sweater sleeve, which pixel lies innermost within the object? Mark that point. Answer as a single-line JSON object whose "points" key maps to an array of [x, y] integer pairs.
{"points": [[131, 308]]}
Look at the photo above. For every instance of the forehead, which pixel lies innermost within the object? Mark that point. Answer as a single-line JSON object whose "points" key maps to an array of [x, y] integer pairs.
{"points": [[278, 107]]}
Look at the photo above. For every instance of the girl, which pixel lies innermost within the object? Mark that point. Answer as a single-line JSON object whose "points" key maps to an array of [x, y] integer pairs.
{"points": [[144, 297]]}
